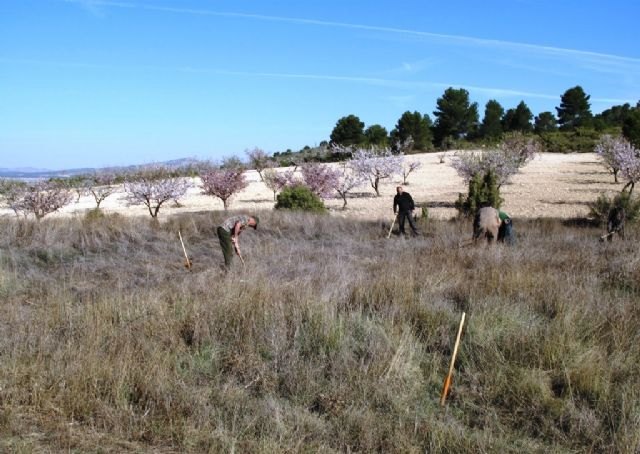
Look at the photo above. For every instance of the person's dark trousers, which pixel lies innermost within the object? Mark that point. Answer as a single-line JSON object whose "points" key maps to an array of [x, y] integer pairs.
{"points": [[506, 233], [225, 243], [401, 217]]}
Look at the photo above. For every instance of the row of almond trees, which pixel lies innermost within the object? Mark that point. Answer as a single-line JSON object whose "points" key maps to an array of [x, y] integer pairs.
{"points": [[154, 186]]}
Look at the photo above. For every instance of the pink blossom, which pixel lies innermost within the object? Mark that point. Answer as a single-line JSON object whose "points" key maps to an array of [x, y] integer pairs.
{"points": [[223, 184], [153, 186], [375, 165]]}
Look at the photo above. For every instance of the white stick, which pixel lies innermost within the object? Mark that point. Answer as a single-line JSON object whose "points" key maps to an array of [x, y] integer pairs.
{"points": [[184, 250], [395, 216], [447, 381]]}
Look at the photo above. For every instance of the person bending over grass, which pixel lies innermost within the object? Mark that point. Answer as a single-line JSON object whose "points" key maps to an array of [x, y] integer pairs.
{"points": [[506, 234], [229, 232]]}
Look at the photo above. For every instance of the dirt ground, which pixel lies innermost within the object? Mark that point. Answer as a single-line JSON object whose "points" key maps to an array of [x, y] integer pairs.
{"points": [[552, 185]]}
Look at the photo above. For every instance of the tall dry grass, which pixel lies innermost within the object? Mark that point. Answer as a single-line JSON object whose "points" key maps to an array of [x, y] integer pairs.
{"points": [[333, 339]]}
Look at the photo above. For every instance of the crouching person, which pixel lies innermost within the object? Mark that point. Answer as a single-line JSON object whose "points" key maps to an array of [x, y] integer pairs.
{"points": [[506, 234], [493, 224], [615, 222], [486, 224]]}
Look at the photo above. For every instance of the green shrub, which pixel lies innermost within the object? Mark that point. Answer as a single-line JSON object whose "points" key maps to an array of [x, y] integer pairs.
{"points": [[603, 205], [483, 191], [301, 198], [581, 140]]}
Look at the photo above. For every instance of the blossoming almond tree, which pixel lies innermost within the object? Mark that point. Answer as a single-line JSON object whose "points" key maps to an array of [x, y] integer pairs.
{"points": [[607, 148], [627, 159], [320, 178], [42, 198], [409, 167], [153, 187], [375, 165], [504, 161], [347, 181], [223, 184], [100, 186], [276, 181]]}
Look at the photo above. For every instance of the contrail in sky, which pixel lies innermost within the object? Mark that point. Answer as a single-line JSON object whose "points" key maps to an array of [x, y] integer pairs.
{"points": [[424, 85], [461, 39]]}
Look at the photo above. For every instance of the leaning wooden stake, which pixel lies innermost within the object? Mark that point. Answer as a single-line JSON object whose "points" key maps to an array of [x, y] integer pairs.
{"points": [[187, 262], [392, 224], [447, 381], [606, 235]]}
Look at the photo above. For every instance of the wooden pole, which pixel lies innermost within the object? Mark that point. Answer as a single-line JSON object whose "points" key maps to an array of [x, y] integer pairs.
{"points": [[395, 216], [187, 262], [447, 381]]}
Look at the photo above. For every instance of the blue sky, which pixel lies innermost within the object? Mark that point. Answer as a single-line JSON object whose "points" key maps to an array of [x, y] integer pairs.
{"points": [[98, 83]]}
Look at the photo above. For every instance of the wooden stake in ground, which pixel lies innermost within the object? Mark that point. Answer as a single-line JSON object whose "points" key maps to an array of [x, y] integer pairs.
{"points": [[187, 262], [447, 381], [395, 216], [242, 260], [606, 236], [235, 247]]}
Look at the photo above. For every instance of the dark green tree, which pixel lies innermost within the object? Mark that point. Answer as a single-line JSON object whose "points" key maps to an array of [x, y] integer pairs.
{"points": [[614, 116], [348, 131], [456, 116], [483, 192], [416, 126], [545, 122], [376, 135], [491, 127], [631, 127], [574, 110], [518, 119]]}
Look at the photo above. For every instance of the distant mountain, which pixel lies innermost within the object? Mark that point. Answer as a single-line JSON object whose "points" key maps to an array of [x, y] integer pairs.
{"points": [[34, 173]]}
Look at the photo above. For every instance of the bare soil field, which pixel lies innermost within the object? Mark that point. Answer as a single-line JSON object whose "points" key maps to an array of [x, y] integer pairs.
{"points": [[552, 185]]}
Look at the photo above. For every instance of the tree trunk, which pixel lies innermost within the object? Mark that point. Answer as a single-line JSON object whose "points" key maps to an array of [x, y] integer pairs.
{"points": [[376, 183]]}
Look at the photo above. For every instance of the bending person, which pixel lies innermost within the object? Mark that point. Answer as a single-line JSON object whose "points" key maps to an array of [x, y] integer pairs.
{"points": [[229, 232]]}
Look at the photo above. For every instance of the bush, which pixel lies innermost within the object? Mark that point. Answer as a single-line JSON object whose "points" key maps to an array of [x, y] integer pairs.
{"points": [[582, 140], [483, 191], [301, 198], [603, 205]]}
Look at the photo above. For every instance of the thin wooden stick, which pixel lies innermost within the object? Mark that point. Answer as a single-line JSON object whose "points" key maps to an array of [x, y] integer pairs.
{"points": [[447, 381], [395, 216], [187, 262]]}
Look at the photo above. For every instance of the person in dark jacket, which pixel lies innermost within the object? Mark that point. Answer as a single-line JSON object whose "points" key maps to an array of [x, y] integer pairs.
{"points": [[615, 222], [403, 205]]}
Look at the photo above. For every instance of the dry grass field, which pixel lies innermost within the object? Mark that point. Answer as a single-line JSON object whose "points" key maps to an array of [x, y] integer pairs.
{"points": [[333, 338]]}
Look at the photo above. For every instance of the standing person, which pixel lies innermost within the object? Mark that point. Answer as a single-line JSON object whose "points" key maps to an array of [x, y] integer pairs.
{"points": [[404, 206], [229, 232]]}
